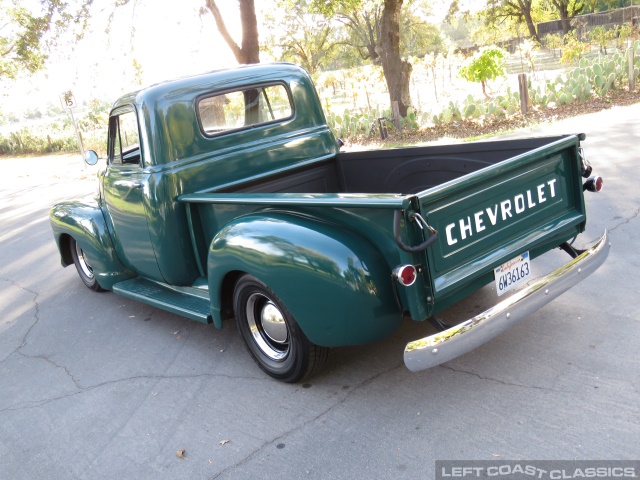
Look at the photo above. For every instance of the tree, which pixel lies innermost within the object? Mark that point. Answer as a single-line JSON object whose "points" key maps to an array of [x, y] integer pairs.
{"points": [[520, 10], [363, 25], [567, 9], [417, 36], [483, 66], [27, 36], [249, 49], [303, 37], [397, 72]]}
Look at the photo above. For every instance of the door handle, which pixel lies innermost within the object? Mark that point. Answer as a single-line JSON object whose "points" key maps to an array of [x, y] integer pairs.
{"points": [[128, 184]]}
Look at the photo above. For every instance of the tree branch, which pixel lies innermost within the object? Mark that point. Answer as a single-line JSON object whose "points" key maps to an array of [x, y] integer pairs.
{"points": [[222, 28]]}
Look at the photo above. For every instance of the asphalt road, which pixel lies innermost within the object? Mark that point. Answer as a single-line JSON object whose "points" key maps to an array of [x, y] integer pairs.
{"points": [[95, 386]]}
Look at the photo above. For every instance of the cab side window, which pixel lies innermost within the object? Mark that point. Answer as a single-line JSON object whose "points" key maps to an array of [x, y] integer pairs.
{"points": [[124, 139]]}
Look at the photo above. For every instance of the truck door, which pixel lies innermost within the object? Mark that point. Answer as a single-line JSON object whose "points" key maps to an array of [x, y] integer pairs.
{"points": [[126, 194]]}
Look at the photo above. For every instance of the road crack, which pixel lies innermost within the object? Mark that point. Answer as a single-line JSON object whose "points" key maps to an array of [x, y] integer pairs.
{"points": [[297, 428], [38, 403], [626, 221], [36, 315], [497, 380]]}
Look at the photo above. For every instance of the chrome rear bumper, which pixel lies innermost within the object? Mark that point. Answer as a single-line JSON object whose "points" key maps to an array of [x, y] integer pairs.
{"points": [[441, 347]]}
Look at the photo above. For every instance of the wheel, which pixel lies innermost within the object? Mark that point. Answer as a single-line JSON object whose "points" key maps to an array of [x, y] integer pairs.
{"points": [[271, 334], [84, 267]]}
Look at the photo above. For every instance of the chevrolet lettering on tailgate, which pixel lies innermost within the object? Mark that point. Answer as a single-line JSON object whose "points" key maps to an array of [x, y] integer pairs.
{"points": [[504, 209]]}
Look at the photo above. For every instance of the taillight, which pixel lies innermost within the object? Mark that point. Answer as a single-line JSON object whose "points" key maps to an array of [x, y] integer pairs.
{"points": [[405, 275], [593, 184]]}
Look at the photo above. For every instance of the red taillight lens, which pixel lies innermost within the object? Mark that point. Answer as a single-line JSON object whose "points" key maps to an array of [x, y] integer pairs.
{"points": [[593, 184], [405, 275], [599, 183]]}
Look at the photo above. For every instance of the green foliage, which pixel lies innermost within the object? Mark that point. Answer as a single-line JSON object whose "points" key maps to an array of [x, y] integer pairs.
{"points": [[601, 36], [25, 35], [553, 42], [418, 36], [96, 116], [329, 8], [622, 34], [21, 48], [577, 85], [299, 36], [574, 49], [487, 64], [57, 134], [26, 141], [353, 123]]}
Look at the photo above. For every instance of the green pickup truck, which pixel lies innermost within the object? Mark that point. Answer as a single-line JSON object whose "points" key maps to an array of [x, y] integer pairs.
{"points": [[225, 195]]}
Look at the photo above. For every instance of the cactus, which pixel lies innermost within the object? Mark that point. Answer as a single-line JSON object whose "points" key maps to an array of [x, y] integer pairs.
{"points": [[470, 110], [610, 67], [597, 69], [599, 81]]}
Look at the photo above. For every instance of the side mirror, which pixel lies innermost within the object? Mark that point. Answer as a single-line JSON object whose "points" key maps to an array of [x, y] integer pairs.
{"points": [[90, 157]]}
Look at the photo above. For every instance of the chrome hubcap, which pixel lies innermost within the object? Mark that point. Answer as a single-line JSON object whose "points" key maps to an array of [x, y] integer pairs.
{"points": [[84, 264], [268, 327]]}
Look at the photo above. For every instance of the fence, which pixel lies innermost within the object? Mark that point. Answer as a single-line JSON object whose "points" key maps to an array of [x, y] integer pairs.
{"points": [[588, 21]]}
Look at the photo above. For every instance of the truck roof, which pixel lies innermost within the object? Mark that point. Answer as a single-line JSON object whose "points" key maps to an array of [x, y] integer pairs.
{"points": [[213, 80], [171, 130]]}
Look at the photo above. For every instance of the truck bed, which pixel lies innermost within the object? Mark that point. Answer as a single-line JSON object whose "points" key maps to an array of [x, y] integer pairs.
{"points": [[451, 186], [396, 171]]}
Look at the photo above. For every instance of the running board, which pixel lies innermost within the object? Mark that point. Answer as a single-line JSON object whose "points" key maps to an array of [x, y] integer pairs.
{"points": [[179, 301]]}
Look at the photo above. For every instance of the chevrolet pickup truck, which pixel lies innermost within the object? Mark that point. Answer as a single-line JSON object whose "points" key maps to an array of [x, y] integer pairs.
{"points": [[225, 195]]}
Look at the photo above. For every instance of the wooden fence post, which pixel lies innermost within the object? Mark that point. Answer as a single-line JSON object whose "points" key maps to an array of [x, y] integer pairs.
{"points": [[632, 80], [525, 102]]}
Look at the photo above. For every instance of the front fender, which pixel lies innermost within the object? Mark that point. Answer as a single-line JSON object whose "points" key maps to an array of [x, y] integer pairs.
{"points": [[334, 282], [84, 222]]}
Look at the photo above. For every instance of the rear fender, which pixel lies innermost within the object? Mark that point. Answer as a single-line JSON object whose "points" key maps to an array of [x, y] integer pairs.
{"points": [[333, 281], [85, 223]]}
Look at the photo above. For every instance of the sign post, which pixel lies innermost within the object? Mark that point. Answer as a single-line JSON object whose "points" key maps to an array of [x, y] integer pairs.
{"points": [[68, 102]]}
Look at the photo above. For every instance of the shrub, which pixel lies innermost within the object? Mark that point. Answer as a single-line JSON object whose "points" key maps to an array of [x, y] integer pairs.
{"points": [[487, 64]]}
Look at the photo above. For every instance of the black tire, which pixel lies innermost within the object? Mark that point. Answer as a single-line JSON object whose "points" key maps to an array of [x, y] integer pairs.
{"points": [[84, 267], [281, 349]]}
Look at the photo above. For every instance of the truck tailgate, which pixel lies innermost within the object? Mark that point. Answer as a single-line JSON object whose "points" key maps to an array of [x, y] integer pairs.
{"points": [[531, 202]]}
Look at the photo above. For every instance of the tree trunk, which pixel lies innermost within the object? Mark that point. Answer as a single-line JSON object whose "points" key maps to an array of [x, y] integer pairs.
{"points": [[525, 7], [397, 72], [249, 51], [565, 15], [566, 25]]}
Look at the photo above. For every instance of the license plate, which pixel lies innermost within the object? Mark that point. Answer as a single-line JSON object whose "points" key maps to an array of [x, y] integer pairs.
{"points": [[512, 273]]}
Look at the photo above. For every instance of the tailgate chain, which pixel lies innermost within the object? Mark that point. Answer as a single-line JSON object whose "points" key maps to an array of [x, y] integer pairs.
{"points": [[414, 216], [397, 215]]}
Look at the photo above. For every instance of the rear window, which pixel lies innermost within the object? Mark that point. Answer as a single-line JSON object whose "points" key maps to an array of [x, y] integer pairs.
{"points": [[244, 108]]}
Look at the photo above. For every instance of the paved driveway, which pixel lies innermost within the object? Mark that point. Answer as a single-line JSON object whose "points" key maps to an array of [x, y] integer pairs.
{"points": [[95, 386]]}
